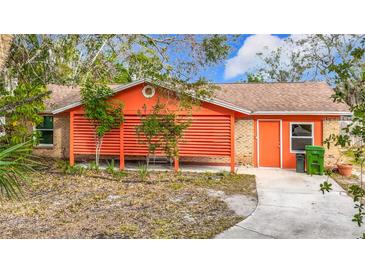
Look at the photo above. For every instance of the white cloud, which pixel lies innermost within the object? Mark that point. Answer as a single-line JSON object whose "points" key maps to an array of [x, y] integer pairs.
{"points": [[246, 58]]}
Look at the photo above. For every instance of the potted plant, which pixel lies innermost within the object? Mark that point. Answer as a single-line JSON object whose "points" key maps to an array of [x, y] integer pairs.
{"points": [[345, 169]]}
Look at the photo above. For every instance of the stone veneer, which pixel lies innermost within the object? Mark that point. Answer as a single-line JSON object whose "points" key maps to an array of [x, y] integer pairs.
{"points": [[244, 141], [331, 126]]}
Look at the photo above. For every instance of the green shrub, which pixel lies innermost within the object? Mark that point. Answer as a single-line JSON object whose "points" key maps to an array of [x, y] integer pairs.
{"points": [[119, 174], [68, 169], [93, 166], [110, 167], [142, 172]]}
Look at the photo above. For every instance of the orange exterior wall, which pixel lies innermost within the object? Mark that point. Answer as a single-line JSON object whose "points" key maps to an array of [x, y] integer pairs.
{"points": [[288, 158], [134, 101]]}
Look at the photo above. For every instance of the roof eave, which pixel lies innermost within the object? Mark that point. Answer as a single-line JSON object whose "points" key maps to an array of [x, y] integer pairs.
{"points": [[227, 105]]}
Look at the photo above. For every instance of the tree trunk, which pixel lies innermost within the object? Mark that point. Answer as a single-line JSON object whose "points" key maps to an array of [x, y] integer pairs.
{"points": [[148, 160], [99, 142], [5, 44]]}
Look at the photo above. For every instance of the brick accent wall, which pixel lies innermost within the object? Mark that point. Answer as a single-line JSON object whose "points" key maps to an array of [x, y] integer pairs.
{"points": [[61, 138], [331, 126], [244, 141]]}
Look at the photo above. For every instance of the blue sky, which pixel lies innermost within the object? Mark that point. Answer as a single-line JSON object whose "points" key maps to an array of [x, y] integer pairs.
{"points": [[241, 57]]}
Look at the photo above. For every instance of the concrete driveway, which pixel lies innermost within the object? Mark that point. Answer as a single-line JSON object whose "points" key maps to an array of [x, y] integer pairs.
{"points": [[290, 205]]}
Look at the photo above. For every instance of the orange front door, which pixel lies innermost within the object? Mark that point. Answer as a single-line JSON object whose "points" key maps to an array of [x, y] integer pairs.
{"points": [[269, 144]]}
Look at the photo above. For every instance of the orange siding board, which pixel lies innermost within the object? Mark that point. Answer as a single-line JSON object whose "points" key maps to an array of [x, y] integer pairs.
{"points": [[72, 155], [232, 144], [209, 134], [121, 148], [211, 139], [85, 140]]}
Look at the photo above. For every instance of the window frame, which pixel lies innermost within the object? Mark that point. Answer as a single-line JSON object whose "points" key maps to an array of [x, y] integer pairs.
{"points": [[300, 137], [46, 129], [145, 94]]}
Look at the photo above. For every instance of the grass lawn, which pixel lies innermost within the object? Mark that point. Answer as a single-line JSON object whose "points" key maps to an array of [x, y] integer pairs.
{"points": [[96, 204]]}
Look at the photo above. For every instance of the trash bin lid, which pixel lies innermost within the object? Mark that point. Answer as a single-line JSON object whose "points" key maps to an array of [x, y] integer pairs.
{"points": [[314, 148]]}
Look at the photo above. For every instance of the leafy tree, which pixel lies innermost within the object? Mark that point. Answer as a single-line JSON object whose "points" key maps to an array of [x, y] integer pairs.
{"points": [[149, 130], [254, 78], [308, 57], [161, 129], [15, 160], [291, 69], [172, 131], [349, 78], [92, 61], [37, 60], [103, 113]]}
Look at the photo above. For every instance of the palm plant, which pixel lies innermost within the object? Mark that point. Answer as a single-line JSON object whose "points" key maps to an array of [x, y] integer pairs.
{"points": [[15, 162]]}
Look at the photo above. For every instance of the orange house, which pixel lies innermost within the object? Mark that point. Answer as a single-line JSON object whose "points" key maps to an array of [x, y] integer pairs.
{"points": [[263, 125]]}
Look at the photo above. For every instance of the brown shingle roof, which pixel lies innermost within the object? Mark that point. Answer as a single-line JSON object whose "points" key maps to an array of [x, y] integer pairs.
{"points": [[254, 97], [63, 96], [303, 96]]}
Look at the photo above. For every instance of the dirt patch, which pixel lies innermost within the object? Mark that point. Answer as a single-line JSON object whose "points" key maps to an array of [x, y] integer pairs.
{"points": [[242, 205], [347, 182], [99, 205]]}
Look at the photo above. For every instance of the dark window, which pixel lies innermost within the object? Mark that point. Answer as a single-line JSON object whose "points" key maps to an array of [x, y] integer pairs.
{"points": [[301, 135], [45, 130]]}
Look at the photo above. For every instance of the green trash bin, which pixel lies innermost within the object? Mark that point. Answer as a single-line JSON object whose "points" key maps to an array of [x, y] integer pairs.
{"points": [[314, 159]]}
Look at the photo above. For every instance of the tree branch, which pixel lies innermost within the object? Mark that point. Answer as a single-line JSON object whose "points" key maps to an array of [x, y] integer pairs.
{"points": [[12, 106]]}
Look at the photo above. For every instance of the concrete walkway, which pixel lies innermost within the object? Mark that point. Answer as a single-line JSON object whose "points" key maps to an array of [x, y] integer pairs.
{"points": [[291, 206]]}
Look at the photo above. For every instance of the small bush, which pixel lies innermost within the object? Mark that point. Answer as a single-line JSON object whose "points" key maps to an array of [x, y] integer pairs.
{"points": [[119, 174], [93, 166], [225, 174], [110, 167], [72, 170], [142, 172]]}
